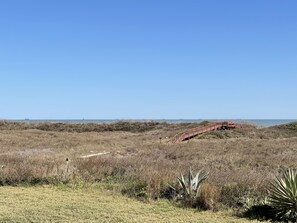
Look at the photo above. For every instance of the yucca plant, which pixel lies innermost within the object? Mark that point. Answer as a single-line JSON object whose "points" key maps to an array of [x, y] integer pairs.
{"points": [[283, 196], [190, 188]]}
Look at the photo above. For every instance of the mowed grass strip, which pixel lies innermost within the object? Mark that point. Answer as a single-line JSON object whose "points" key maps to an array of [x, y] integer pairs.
{"points": [[92, 204]]}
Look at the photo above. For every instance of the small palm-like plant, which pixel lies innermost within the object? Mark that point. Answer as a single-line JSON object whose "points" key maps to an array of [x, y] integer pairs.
{"points": [[190, 188], [283, 196]]}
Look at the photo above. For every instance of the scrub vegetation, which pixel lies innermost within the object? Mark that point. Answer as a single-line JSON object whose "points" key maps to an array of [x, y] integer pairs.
{"points": [[138, 160]]}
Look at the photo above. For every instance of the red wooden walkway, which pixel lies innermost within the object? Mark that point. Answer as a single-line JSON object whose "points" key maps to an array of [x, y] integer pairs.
{"points": [[204, 129]]}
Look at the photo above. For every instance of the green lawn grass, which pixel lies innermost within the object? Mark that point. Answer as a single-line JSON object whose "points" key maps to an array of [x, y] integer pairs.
{"points": [[93, 204]]}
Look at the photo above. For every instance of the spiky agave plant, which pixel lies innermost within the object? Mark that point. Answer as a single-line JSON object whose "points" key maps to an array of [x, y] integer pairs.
{"points": [[190, 188], [283, 196]]}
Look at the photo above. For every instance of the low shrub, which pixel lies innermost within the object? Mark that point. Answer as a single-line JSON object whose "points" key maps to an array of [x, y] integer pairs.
{"points": [[283, 196], [135, 189], [18, 170], [240, 195], [209, 197]]}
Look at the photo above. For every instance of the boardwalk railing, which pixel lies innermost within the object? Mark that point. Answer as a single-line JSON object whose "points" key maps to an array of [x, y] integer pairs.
{"points": [[204, 129]]}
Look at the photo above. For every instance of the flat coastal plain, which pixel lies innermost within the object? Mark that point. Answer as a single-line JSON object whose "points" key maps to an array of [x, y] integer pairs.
{"points": [[57, 172]]}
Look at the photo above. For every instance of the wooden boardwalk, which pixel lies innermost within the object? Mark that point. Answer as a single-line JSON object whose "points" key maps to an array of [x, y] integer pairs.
{"points": [[204, 129]]}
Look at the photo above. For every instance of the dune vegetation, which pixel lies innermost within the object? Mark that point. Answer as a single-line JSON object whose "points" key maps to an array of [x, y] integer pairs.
{"points": [[138, 160]]}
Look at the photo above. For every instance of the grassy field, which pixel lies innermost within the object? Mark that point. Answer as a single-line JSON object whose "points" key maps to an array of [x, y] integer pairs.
{"points": [[139, 160], [93, 204]]}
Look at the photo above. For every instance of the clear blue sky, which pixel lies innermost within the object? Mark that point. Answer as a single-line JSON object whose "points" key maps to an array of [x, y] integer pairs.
{"points": [[148, 59]]}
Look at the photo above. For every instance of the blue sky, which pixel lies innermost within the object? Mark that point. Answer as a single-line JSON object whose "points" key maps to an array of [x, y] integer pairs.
{"points": [[148, 59]]}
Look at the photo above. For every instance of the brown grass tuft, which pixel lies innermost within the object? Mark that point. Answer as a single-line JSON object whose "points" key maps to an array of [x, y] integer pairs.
{"points": [[241, 162]]}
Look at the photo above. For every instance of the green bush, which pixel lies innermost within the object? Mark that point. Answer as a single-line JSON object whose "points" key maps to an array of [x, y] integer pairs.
{"points": [[136, 189], [283, 196], [238, 196]]}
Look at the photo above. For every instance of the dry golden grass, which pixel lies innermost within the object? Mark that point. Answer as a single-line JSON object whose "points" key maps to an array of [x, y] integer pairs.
{"points": [[93, 204], [243, 160]]}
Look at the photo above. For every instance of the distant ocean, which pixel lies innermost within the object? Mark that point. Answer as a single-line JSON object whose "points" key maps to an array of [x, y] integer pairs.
{"points": [[258, 122]]}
